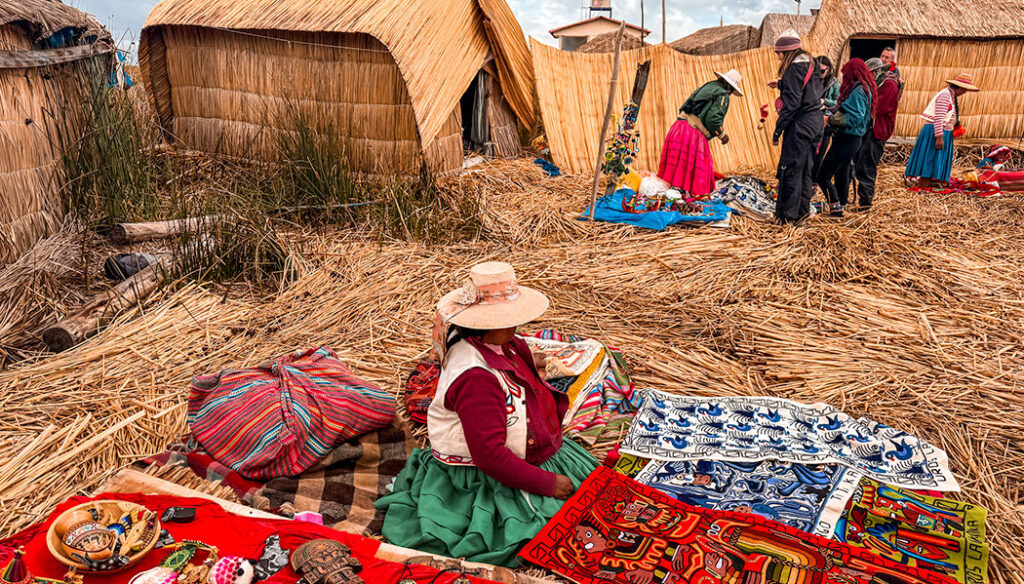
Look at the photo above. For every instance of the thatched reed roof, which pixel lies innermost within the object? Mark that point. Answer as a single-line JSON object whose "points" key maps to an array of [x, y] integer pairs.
{"points": [[439, 45], [774, 25], [718, 40], [42, 18], [605, 43], [839, 20]]}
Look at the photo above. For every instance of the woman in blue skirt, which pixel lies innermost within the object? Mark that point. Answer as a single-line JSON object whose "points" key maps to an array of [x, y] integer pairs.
{"points": [[932, 158]]}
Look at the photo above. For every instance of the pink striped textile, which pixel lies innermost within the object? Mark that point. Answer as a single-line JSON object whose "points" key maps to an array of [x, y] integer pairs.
{"points": [[281, 417]]}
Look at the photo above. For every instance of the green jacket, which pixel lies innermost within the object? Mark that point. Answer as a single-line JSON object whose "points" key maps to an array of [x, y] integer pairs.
{"points": [[709, 103]]}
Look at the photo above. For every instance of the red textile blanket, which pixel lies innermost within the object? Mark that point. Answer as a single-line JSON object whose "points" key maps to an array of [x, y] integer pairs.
{"points": [[232, 535], [616, 530]]}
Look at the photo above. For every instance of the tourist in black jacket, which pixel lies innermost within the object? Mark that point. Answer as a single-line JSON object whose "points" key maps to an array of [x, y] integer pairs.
{"points": [[799, 127]]}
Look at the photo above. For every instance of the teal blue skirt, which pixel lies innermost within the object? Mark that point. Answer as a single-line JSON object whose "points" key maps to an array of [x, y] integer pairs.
{"points": [[927, 162], [460, 512]]}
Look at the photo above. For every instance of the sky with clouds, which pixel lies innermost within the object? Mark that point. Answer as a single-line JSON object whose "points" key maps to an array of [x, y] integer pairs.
{"points": [[125, 17]]}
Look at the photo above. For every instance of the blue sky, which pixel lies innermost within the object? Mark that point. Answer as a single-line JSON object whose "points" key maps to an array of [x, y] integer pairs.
{"points": [[125, 17]]}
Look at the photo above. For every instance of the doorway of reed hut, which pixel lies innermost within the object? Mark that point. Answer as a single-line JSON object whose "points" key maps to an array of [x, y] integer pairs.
{"points": [[869, 48], [488, 125]]}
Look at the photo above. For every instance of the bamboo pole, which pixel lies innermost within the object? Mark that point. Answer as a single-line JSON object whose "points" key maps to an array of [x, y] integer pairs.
{"points": [[607, 118], [664, 18]]}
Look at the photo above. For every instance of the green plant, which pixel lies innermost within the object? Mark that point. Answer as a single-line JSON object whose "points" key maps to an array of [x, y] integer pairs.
{"points": [[108, 177]]}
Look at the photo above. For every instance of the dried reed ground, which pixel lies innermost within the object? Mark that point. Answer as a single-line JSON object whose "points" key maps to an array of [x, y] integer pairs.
{"points": [[912, 315]]}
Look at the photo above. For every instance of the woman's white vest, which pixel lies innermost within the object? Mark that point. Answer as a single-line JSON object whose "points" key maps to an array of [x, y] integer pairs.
{"points": [[447, 438]]}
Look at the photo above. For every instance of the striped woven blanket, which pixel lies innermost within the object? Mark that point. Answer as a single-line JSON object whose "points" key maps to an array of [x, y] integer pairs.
{"points": [[283, 416]]}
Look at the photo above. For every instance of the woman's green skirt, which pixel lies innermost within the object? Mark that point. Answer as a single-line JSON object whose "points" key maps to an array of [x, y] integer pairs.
{"points": [[459, 512]]}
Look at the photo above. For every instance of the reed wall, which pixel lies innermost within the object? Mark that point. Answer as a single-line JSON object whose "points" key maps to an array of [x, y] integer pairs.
{"points": [[234, 93], [37, 106], [996, 113], [573, 88]]}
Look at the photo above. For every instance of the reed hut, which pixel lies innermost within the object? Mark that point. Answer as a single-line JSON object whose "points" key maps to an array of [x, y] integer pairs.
{"points": [[45, 45], [400, 83], [775, 24], [605, 43], [935, 40], [718, 40]]}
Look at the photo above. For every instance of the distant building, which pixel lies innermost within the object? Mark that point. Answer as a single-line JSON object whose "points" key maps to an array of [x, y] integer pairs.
{"points": [[572, 36]]}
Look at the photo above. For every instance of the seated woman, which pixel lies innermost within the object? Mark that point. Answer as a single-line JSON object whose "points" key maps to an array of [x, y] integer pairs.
{"points": [[932, 158], [686, 161], [498, 469]]}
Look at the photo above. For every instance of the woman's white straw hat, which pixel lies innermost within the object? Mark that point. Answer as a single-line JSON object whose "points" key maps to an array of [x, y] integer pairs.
{"points": [[733, 78], [492, 299]]}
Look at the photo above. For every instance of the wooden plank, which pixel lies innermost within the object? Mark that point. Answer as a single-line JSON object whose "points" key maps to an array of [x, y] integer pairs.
{"points": [[132, 481]]}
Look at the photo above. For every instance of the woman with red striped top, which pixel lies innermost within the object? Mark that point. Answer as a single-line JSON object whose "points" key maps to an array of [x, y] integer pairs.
{"points": [[932, 158]]}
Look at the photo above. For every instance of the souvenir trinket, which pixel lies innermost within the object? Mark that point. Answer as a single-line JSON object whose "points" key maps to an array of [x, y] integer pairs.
{"points": [[177, 568], [325, 561], [231, 570], [15, 572], [88, 541], [274, 558]]}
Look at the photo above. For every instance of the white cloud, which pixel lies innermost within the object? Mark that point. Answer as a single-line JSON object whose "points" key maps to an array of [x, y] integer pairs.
{"points": [[537, 17]]}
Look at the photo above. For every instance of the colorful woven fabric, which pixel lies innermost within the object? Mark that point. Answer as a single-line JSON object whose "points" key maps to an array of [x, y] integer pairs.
{"points": [[944, 536], [344, 486], [420, 389], [281, 417], [956, 186], [810, 498], [616, 530], [601, 396], [749, 195], [672, 427]]}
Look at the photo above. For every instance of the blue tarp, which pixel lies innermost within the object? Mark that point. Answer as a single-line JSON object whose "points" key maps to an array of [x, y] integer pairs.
{"points": [[610, 208]]}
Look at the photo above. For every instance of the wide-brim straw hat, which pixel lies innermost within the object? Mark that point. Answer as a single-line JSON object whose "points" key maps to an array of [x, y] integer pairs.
{"points": [[965, 80], [733, 78], [492, 299]]}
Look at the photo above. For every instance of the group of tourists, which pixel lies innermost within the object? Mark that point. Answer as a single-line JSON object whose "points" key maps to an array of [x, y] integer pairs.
{"points": [[832, 130]]}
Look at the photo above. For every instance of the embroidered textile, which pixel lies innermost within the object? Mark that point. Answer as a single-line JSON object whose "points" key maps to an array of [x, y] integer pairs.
{"points": [[600, 391], [671, 427], [420, 388], [945, 536], [810, 498], [630, 465], [616, 530]]}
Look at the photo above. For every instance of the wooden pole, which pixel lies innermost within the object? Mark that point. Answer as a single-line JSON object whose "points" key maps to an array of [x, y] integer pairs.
{"points": [[664, 18], [136, 232], [607, 117], [97, 312]]}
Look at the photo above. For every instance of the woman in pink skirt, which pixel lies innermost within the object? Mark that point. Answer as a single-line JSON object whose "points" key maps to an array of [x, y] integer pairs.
{"points": [[686, 161]]}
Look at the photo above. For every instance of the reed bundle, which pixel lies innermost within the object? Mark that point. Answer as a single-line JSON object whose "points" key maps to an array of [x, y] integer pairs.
{"points": [[912, 315], [573, 87]]}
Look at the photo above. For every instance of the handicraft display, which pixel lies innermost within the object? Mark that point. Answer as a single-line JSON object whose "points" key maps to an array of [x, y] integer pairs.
{"points": [[325, 561], [670, 427], [615, 530], [808, 497], [944, 536], [103, 536]]}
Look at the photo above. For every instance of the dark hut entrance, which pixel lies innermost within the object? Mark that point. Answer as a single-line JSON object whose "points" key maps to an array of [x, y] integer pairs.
{"points": [[488, 125], [869, 48]]}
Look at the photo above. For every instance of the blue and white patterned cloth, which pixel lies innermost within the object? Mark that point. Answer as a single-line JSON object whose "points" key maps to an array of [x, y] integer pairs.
{"points": [[810, 498], [738, 429]]}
